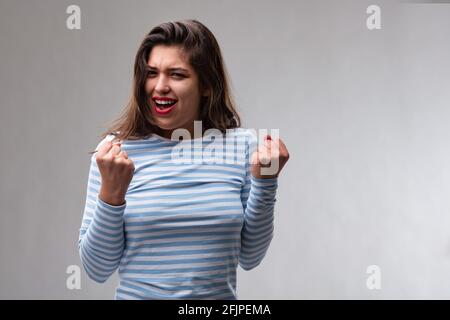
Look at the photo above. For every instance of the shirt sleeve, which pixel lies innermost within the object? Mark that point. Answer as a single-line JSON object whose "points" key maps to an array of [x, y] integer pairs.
{"points": [[101, 239], [258, 199]]}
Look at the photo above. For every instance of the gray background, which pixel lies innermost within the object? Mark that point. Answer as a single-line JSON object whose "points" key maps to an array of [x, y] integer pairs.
{"points": [[364, 114]]}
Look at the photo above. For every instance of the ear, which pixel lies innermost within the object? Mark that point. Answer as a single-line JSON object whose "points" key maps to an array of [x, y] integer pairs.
{"points": [[205, 93]]}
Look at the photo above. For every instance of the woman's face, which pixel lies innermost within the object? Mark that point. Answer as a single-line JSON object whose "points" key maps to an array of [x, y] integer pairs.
{"points": [[172, 87]]}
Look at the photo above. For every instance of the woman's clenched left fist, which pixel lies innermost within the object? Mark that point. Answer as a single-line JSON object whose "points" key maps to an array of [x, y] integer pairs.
{"points": [[268, 160]]}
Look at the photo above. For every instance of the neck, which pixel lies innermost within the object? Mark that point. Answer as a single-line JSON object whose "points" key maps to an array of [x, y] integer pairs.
{"points": [[168, 133]]}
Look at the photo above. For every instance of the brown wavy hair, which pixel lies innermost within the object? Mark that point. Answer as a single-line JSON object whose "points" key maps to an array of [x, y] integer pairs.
{"points": [[217, 110]]}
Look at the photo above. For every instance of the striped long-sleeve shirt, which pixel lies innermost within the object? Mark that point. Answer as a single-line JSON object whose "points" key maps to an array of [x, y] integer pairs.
{"points": [[193, 212]]}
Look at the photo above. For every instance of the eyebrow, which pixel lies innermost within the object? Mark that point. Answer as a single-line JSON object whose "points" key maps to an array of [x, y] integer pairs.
{"points": [[170, 69]]}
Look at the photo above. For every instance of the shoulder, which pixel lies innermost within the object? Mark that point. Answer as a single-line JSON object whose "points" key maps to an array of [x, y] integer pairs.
{"points": [[243, 133], [246, 138]]}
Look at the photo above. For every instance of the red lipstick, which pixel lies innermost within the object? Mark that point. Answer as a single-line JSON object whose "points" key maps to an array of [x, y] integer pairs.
{"points": [[163, 109]]}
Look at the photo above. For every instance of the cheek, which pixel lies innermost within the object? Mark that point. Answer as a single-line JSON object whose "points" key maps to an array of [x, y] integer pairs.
{"points": [[148, 86], [188, 93]]}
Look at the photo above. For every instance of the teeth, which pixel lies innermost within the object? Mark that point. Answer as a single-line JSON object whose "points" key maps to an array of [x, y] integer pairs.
{"points": [[164, 102]]}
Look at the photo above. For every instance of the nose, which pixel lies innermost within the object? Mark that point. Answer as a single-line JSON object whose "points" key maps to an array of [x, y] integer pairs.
{"points": [[162, 85]]}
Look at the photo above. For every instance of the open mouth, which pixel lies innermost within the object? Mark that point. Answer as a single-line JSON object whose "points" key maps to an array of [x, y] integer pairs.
{"points": [[164, 106]]}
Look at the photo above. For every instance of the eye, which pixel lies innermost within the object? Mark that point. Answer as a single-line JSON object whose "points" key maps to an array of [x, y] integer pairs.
{"points": [[178, 75], [151, 73]]}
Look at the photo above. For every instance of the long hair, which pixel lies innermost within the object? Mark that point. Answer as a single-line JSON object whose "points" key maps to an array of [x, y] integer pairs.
{"points": [[217, 110]]}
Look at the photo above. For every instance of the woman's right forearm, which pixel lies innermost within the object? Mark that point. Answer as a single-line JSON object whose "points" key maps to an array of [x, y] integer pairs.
{"points": [[102, 240], [101, 247]]}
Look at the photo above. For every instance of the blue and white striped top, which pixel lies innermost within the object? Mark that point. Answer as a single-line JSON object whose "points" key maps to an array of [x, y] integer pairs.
{"points": [[193, 213]]}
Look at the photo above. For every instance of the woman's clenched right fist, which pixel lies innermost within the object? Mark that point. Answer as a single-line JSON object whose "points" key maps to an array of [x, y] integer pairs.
{"points": [[116, 171]]}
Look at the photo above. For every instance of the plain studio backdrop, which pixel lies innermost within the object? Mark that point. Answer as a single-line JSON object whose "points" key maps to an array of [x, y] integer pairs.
{"points": [[364, 114]]}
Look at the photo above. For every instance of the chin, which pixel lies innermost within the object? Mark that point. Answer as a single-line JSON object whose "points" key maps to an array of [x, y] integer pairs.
{"points": [[165, 126]]}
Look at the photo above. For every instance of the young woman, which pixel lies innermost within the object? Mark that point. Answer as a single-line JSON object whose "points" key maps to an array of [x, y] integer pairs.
{"points": [[178, 227]]}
